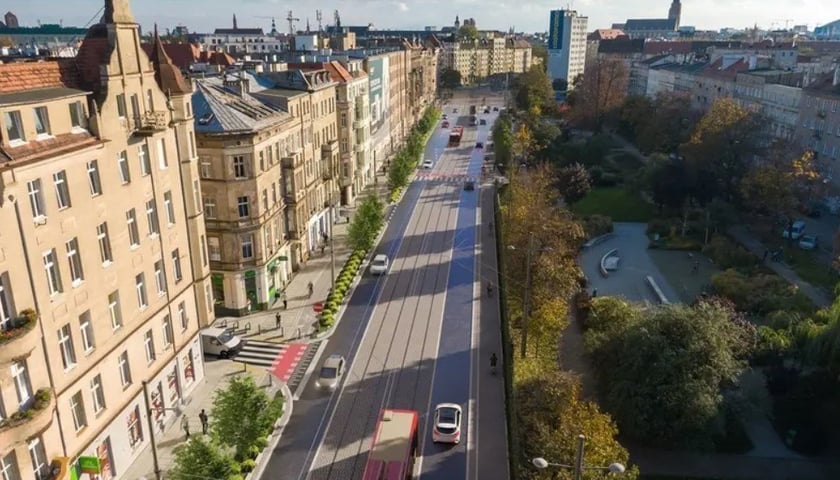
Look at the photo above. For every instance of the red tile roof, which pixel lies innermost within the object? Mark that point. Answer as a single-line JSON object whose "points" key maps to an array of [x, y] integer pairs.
{"points": [[23, 76], [716, 70], [606, 34], [167, 74], [336, 70], [182, 54], [51, 147]]}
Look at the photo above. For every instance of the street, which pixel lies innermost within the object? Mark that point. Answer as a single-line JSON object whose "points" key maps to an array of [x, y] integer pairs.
{"points": [[412, 338]]}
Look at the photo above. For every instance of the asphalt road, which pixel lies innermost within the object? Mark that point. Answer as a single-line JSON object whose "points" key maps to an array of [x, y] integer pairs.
{"points": [[410, 337]]}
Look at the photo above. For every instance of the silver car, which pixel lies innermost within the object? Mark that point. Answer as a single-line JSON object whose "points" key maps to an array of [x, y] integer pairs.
{"points": [[808, 242], [379, 265], [331, 372]]}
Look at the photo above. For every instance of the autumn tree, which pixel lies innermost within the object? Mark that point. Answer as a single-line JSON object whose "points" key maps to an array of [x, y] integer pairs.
{"points": [[574, 182], [669, 124], [602, 91], [533, 93], [523, 144], [781, 185]]}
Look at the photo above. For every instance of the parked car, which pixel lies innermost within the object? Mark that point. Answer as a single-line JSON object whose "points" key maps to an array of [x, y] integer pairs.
{"points": [[379, 265], [479, 145], [495, 109], [445, 116], [482, 122], [447, 427], [487, 110], [808, 242], [331, 372], [469, 186], [428, 163], [445, 124], [794, 231]]}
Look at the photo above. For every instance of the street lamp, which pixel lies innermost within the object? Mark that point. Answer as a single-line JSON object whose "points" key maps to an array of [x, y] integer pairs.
{"points": [[578, 467], [526, 314], [149, 411]]}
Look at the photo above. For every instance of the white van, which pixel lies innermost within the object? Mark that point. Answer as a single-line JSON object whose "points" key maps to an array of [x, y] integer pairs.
{"points": [[794, 231], [219, 342]]}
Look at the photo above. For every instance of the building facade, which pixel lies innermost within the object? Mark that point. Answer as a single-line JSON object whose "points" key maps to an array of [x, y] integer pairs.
{"points": [[818, 125], [486, 57], [244, 41], [100, 207], [566, 45]]}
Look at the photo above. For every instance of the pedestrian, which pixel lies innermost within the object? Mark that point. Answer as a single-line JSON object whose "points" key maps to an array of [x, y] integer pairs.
{"points": [[594, 292], [185, 426], [695, 267], [277, 320], [248, 305], [311, 289], [323, 247], [202, 417]]}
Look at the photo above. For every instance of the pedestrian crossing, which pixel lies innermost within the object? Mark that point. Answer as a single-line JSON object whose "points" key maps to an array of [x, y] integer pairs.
{"points": [[287, 361], [259, 353], [440, 177]]}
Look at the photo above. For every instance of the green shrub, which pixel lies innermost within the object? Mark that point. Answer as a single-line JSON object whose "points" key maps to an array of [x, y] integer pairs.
{"points": [[248, 465], [661, 226], [761, 293], [727, 254], [597, 225], [236, 477], [254, 451], [262, 442]]}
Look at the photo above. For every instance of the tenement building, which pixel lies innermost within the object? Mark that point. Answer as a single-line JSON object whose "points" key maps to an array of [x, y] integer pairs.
{"points": [[104, 282]]}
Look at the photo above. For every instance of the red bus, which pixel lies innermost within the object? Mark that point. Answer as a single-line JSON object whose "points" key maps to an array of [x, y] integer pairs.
{"points": [[455, 136], [394, 446]]}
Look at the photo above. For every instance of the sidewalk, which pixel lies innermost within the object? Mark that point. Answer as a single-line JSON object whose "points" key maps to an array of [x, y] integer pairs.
{"points": [[298, 322], [816, 294]]}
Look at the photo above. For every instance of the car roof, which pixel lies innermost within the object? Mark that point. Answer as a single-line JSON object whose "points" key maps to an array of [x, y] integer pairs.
{"points": [[448, 405], [380, 258], [333, 360]]}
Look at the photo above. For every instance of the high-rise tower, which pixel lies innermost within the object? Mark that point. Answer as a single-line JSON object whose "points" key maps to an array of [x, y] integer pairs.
{"points": [[674, 13]]}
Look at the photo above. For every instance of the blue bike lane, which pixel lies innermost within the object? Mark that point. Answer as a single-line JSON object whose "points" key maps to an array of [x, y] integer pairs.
{"points": [[451, 382]]}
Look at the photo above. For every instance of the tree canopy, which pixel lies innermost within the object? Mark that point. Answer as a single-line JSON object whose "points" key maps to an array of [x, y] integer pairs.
{"points": [[366, 224], [574, 182], [242, 413], [467, 32], [450, 78], [199, 458], [533, 93], [600, 93]]}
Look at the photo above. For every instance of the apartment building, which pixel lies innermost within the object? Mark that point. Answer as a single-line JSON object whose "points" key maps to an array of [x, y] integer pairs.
{"points": [[485, 57], [774, 93], [309, 96], [818, 125], [105, 283], [566, 45], [241, 145]]}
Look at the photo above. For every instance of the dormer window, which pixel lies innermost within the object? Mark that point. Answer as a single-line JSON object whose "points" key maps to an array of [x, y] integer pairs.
{"points": [[14, 127], [77, 116], [42, 122]]}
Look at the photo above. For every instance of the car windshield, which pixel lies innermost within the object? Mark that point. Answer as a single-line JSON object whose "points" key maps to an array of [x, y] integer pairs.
{"points": [[446, 416], [225, 337], [328, 372], [379, 262]]}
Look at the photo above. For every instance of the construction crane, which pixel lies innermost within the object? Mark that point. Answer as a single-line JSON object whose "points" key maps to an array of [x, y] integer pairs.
{"points": [[318, 19], [779, 21], [291, 19]]}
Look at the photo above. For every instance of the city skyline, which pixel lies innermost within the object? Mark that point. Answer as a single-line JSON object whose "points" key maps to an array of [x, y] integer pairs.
{"points": [[530, 16]]}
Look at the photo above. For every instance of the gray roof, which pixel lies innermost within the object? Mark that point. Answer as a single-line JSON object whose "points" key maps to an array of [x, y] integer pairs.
{"points": [[220, 110], [40, 95], [657, 24]]}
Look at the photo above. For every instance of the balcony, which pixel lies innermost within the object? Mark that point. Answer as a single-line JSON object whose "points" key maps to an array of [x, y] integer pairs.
{"points": [[21, 339], [150, 123], [30, 421], [359, 147], [359, 124]]}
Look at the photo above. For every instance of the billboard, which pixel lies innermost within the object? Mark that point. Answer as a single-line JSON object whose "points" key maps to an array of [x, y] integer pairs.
{"points": [[555, 30], [378, 76]]}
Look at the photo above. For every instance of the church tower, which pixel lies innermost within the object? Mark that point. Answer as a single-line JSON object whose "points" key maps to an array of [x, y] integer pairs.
{"points": [[674, 13]]}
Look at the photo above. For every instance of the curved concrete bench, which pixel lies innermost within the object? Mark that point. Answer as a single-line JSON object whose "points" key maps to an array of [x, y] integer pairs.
{"points": [[604, 272], [657, 291], [598, 240]]}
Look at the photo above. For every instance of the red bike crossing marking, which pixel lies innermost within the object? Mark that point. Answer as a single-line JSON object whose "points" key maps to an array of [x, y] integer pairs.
{"points": [[286, 362]]}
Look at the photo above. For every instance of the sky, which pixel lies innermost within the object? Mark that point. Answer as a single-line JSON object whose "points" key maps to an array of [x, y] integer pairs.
{"points": [[524, 15]]}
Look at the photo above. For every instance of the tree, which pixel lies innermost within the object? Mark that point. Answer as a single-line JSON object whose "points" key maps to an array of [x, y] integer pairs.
{"points": [[533, 93], [559, 85], [450, 78], [467, 32], [503, 142], [601, 93], [199, 458], [662, 373], [366, 224], [242, 413], [540, 51], [668, 125], [781, 186], [574, 182]]}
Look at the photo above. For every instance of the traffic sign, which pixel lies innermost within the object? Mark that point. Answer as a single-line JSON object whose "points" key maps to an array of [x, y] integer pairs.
{"points": [[318, 307]]}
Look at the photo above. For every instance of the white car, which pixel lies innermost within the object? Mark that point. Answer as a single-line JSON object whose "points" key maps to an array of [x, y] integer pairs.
{"points": [[428, 163], [379, 265], [447, 428], [808, 242], [331, 372]]}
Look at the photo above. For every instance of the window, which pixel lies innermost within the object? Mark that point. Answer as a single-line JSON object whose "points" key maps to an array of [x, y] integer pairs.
{"points": [[42, 121], [114, 310], [77, 115], [135, 428], [176, 266], [62, 191], [145, 161], [121, 105], [203, 246], [265, 200], [208, 294], [160, 279], [273, 195], [77, 276], [213, 245], [242, 206], [167, 331], [149, 345], [170, 209], [125, 369], [163, 162], [86, 332], [38, 457], [209, 207], [77, 407], [9, 469], [97, 394], [23, 387], [248, 246], [133, 231], [125, 172], [6, 312], [14, 127], [65, 345], [104, 244], [140, 287], [182, 315], [36, 198], [135, 108], [205, 168], [152, 218], [239, 166], [53, 276], [150, 104], [93, 178]]}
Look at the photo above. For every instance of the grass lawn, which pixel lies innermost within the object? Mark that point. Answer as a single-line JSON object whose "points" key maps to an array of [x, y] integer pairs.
{"points": [[615, 202], [677, 268], [811, 268]]}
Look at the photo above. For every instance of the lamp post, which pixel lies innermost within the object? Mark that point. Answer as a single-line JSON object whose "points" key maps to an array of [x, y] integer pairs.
{"points": [[578, 467], [149, 412], [526, 313]]}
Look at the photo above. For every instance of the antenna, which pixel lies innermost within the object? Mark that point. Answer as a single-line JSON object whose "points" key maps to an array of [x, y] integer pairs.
{"points": [[291, 19], [318, 18]]}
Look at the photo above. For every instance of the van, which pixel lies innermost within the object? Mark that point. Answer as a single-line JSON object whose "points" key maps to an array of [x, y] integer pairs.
{"points": [[794, 231], [219, 342]]}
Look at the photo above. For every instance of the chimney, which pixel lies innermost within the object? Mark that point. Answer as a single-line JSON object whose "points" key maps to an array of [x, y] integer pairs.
{"points": [[836, 81]]}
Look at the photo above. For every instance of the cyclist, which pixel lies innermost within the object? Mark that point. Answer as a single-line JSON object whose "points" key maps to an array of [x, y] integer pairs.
{"points": [[493, 361], [489, 289]]}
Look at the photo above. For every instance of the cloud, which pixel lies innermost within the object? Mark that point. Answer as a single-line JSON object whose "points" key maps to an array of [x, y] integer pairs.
{"points": [[402, 6]]}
